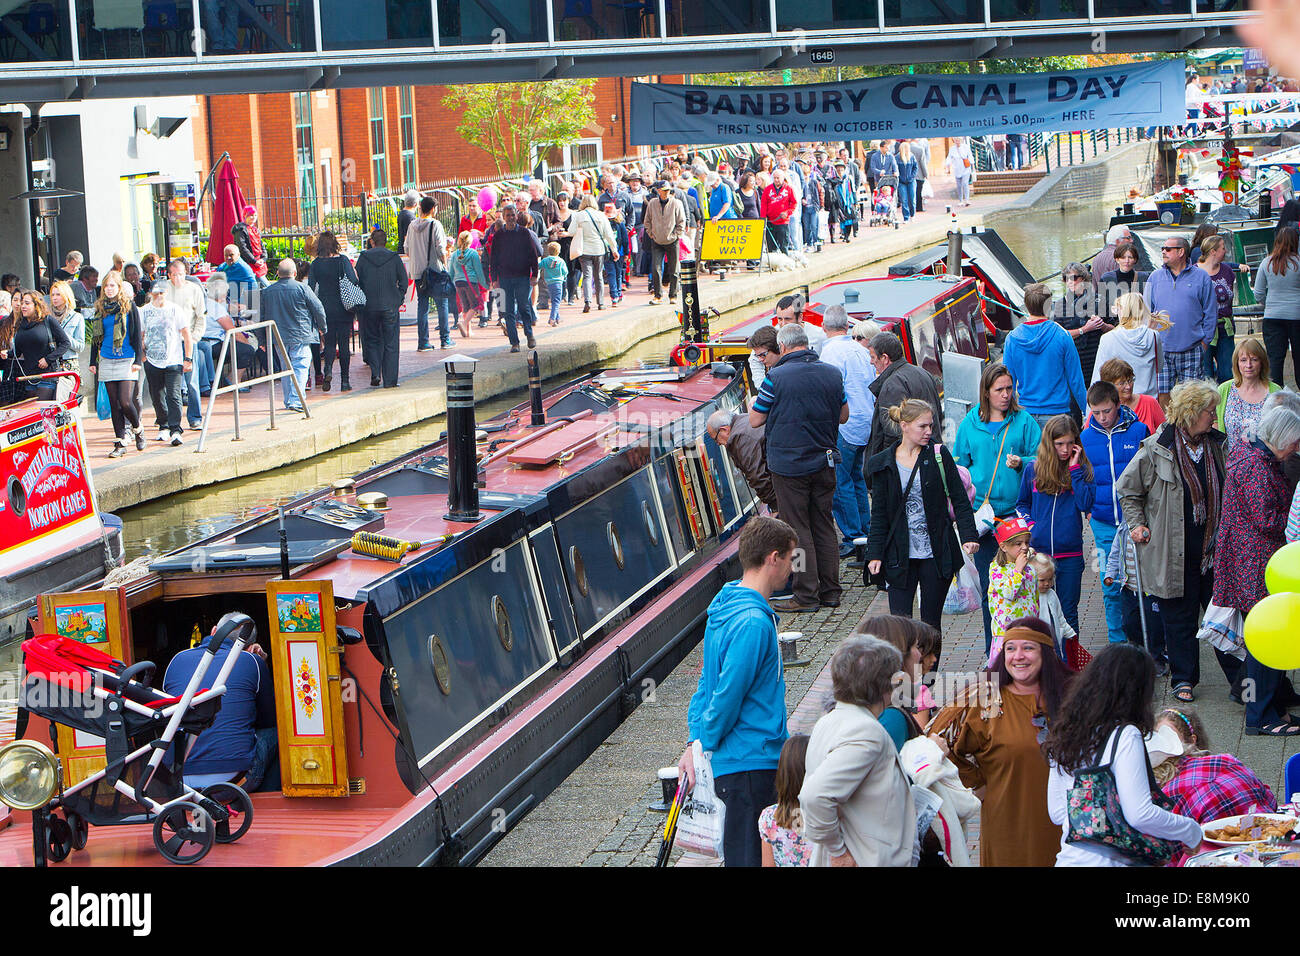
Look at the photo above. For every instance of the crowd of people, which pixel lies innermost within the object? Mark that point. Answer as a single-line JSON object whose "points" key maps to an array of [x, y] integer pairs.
{"points": [[1105, 412]]}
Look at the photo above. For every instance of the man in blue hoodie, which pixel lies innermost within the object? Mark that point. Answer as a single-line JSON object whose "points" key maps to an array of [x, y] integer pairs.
{"points": [[1043, 360], [1110, 442], [738, 711]]}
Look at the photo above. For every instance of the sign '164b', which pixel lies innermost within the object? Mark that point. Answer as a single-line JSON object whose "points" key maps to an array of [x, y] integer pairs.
{"points": [[1129, 94]]}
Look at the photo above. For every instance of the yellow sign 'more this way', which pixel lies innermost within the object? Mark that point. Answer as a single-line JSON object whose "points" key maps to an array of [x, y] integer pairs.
{"points": [[733, 239]]}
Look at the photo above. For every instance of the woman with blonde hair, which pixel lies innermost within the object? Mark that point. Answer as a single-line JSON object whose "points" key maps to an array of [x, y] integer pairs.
{"points": [[1241, 398], [1056, 490], [1135, 340], [1175, 522], [1213, 252], [116, 354], [911, 542], [593, 240], [63, 309]]}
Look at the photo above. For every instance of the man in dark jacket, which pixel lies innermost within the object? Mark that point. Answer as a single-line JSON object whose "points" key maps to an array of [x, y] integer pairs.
{"points": [[514, 263], [805, 400], [895, 381], [745, 447], [382, 276], [298, 316]]}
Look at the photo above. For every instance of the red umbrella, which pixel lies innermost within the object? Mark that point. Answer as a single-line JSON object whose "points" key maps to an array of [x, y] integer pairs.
{"points": [[227, 209]]}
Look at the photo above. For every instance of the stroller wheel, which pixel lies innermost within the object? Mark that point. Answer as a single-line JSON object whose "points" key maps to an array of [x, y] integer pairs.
{"points": [[237, 805], [184, 833], [58, 839], [80, 830]]}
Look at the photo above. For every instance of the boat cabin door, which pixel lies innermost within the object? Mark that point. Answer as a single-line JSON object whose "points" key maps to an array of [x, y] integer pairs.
{"points": [[95, 618], [306, 660]]}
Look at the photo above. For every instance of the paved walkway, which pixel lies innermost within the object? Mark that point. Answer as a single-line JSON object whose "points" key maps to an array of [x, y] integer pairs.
{"points": [[600, 815]]}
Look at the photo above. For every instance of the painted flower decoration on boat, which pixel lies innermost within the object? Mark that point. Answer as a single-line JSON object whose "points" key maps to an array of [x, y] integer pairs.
{"points": [[307, 688]]}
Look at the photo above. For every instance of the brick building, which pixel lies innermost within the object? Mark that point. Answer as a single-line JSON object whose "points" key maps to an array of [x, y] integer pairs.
{"points": [[320, 150]]}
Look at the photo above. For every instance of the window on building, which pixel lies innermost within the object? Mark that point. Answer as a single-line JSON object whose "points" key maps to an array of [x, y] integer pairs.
{"points": [[378, 157], [304, 160], [406, 121]]}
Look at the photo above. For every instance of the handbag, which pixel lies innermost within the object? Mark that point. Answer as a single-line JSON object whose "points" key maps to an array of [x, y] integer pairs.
{"points": [[9, 384], [351, 294], [1095, 815]]}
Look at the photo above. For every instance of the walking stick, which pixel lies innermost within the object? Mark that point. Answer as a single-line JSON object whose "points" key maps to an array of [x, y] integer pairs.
{"points": [[1142, 604], [670, 825]]}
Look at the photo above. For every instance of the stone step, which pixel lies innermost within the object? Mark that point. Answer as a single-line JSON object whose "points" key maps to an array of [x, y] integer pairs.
{"points": [[1007, 182]]}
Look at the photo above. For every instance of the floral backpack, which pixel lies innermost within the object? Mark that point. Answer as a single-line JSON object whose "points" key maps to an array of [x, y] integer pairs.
{"points": [[1095, 815]]}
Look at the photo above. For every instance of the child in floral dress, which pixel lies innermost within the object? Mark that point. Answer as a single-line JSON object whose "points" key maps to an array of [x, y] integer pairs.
{"points": [[781, 824], [1013, 588]]}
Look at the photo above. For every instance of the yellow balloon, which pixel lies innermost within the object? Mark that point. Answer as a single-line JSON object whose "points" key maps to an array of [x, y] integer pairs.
{"points": [[1283, 571], [1273, 631]]}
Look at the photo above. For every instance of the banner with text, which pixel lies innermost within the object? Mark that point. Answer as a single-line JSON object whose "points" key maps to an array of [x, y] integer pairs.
{"points": [[1130, 94]]}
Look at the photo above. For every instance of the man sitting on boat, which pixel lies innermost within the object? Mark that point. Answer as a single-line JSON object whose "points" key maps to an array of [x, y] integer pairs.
{"points": [[242, 741]]}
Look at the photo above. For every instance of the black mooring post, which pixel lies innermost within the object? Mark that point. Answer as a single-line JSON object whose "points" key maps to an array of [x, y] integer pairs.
{"points": [[462, 461], [535, 388]]}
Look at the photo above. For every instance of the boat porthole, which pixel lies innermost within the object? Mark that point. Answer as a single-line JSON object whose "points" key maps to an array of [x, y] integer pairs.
{"points": [[615, 544], [579, 569], [17, 497], [651, 526], [504, 631], [441, 669]]}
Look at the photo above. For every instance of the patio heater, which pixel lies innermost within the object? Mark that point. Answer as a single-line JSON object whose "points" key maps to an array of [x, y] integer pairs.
{"points": [[46, 202]]}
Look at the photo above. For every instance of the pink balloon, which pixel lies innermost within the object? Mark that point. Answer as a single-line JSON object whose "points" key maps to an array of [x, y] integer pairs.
{"points": [[487, 198]]}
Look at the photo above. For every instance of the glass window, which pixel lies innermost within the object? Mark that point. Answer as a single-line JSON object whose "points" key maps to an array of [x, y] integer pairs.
{"points": [[1005, 10], [602, 19], [1146, 8], [239, 26], [492, 21], [914, 13], [406, 126], [304, 159], [375, 24], [378, 157], [828, 14], [34, 32], [717, 17]]}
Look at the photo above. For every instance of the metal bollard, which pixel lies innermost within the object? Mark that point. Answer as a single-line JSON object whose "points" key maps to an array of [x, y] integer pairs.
{"points": [[668, 789], [789, 643]]}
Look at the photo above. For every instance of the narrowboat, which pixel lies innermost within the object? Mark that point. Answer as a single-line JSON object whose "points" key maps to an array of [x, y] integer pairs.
{"points": [[52, 535], [450, 633]]}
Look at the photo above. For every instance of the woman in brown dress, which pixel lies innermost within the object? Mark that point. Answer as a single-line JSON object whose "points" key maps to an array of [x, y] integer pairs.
{"points": [[997, 750]]}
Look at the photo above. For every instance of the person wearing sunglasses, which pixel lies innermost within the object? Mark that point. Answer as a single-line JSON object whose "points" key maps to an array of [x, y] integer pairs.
{"points": [[1078, 312], [1187, 296]]}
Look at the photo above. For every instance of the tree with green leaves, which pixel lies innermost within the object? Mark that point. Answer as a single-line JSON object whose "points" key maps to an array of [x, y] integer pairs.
{"points": [[508, 121]]}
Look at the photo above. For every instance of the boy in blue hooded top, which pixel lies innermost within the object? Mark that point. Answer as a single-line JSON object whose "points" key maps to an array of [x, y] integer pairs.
{"points": [[1043, 360], [738, 711], [1110, 440]]}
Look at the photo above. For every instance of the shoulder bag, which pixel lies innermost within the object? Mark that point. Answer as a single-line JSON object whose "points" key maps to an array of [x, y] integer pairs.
{"points": [[351, 294], [9, 382], [985, 519], [1095, 815]]}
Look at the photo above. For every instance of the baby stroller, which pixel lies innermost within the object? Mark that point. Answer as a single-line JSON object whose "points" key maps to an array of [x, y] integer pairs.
{"points": [[77, 686], [884, 204]]}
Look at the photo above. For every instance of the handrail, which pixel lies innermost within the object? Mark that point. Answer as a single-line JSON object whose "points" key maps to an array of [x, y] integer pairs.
{"points": [[273, 336]]}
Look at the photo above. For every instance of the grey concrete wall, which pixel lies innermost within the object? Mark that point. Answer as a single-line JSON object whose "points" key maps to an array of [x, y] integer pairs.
{"points": [[1110, 176], [15, 217]]}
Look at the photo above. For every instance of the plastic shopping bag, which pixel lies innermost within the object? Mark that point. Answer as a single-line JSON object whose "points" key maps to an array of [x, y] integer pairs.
{"points": [[964, 593], [102, 408], [699, 827], [927, 191]]}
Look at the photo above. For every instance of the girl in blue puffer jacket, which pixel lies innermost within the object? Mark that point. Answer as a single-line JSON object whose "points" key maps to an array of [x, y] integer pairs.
{"points": [[1056, 491]]}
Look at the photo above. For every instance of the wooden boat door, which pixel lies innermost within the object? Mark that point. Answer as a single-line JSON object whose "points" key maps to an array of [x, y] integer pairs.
{"points": [[305, 662], [95, 618]]}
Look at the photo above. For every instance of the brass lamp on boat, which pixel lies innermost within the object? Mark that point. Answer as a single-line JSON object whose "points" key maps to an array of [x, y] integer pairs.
{"points": [[29, 774]]}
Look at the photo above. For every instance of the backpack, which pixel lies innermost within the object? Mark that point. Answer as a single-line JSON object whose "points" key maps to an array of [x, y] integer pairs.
{"points": [[737, 204]]}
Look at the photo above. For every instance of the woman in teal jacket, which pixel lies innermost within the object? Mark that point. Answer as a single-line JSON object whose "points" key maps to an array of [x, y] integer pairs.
{"points": [[993, 442]]}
